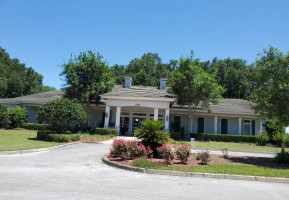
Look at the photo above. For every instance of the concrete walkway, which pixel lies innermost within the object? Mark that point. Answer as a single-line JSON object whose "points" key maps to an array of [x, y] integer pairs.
{"points": [[213, 151]]}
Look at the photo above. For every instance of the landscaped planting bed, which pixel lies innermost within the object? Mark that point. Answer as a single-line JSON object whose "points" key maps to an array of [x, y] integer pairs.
{"points": [[122, 152]]}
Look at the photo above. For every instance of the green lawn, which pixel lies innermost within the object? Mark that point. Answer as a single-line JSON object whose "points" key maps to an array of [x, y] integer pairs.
{"points": [[11, 140], [251, 170], [235, 146]]}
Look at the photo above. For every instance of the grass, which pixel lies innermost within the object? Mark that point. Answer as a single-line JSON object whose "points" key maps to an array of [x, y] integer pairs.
{"points": [[250, 170], [12, 140], [233, 146]]}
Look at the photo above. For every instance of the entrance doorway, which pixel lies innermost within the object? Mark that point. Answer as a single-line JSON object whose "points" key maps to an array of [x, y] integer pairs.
{"points": [[137, 123]]}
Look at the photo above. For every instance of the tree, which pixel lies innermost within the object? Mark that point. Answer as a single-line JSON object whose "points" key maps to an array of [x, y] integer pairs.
{"points": [[61, 114], [17, 116], [193, 87], [232, 74], [272, 85], [16, 79], [3, 116], [151, 135], [87, 76]]}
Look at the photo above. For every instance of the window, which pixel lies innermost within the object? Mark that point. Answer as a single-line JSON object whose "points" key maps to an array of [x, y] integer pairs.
{"points": [[247, 127], [140, 114]]}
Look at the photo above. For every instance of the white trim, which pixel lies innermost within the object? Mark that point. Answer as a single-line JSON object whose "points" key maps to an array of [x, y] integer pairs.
{"points": [[138, 98]]}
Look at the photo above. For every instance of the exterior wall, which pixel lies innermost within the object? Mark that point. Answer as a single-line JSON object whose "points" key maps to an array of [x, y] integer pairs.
{"points": [[31, 112], [96, 117]]}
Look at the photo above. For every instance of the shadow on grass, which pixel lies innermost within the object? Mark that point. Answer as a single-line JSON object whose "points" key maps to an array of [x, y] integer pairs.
{"points": [[261, 162]]}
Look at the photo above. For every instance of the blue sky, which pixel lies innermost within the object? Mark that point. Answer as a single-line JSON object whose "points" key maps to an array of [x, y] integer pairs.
{"points": [[42, 34]]}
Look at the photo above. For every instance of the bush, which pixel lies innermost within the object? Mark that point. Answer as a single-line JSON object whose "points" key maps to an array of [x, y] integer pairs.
{"points": [[106, 131], [183, 152], [165, 152], [282, 157], [151, 136], [54, 137], [262, 139], [204, 156], [17, 116], [272, 127], [129, 149], [3, 116], [119, 149], [279, 139], [35, 126], [223, 138], [175, 135], [61, 114]]}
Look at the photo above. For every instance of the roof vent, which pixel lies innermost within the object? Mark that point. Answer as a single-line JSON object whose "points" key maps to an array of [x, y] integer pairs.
{"points": [[127, 83], [163, 84]]}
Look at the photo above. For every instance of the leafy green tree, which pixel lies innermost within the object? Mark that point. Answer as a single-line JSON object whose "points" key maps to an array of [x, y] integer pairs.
{"points": [[17, 116], [147, 70], [61, 114], [16, 79], [87, 76], [193, 87], [232, 74], [272, 85], [3, 116], [151, 135]]}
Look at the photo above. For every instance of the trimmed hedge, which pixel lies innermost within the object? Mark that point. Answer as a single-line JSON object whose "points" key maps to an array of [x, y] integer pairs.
{"points": [[54, 137], [35, 126], [105, 131], [223, 138]]}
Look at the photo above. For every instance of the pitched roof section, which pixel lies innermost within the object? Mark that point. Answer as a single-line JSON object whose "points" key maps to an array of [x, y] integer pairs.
{"points": [[138, 92], [41, 98], [230, 106]]}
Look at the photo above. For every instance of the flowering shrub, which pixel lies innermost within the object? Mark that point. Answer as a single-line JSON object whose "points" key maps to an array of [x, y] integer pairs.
{"points": [[143, 151], [183, 152], [204, 156], [129, 149], [165, 152], [119, 149]]}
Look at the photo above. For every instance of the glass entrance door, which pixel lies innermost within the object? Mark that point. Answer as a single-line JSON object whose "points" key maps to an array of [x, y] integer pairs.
{"points": [[137, 123], [124, 125]]}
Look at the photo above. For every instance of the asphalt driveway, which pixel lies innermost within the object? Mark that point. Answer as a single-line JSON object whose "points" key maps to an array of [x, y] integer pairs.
{"points": [[76, 172]]}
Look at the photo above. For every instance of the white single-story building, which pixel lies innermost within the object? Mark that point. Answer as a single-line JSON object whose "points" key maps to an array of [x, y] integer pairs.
{"points": [[126, 106]]}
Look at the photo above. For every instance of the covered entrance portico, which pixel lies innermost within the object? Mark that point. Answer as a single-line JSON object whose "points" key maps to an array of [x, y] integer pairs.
{"points": [[130, 113]]}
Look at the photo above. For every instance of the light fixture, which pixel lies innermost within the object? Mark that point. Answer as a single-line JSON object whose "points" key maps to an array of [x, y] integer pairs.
{"points": [[106, 114], [167, 118]]}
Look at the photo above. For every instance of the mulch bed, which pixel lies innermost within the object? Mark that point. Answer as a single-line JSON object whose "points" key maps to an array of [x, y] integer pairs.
{"points": [[215, 160]]}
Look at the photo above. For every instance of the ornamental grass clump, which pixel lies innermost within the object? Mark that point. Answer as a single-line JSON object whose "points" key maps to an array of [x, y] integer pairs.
{"points": [[204, 156], [165, 152], [183, 152]]}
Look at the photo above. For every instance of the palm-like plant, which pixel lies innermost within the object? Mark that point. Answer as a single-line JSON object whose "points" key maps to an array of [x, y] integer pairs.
{"points": [[151, 135]]}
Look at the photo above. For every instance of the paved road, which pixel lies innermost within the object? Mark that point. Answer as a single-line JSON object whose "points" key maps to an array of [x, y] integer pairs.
{"points": [[76, 172]]}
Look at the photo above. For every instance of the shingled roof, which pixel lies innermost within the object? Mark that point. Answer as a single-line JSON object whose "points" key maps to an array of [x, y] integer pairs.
{"points": [[227, 106], [41, 98], [231, 106], [139, 92]]}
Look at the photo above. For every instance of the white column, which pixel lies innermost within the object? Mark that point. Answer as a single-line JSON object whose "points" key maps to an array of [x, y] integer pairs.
{"points": [[191, 128], [106, 120], [215, 125], [167, 119], [240, 126], [261, 126], [156, 114], [117, 118]]}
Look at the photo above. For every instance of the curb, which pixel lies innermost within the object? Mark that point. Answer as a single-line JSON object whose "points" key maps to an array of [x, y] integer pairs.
{"points": [[194, 174], [37, 150]]}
